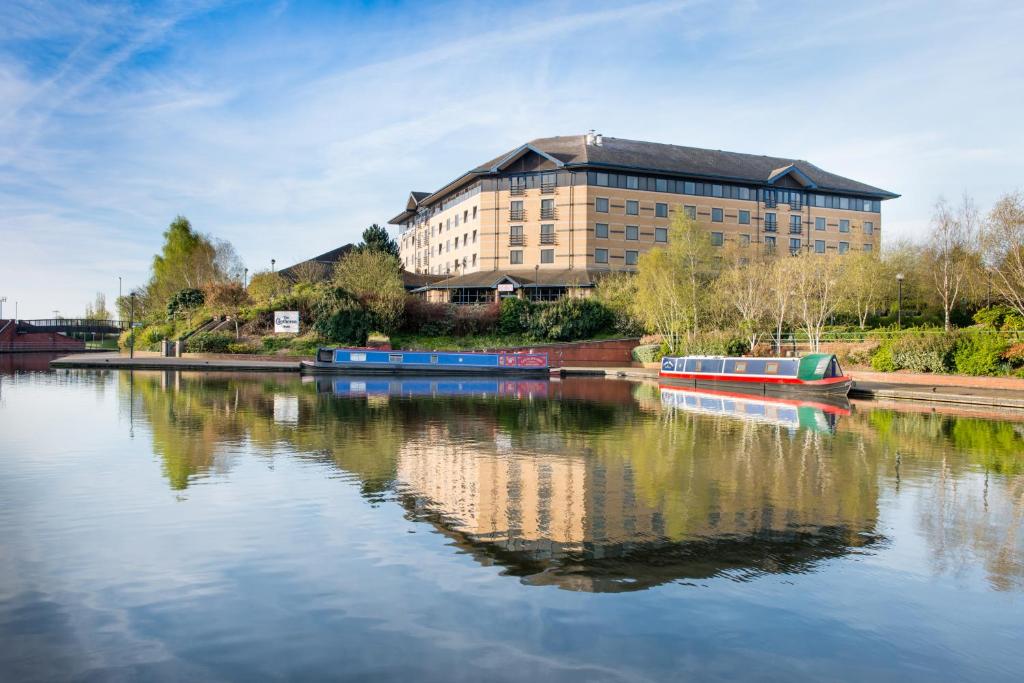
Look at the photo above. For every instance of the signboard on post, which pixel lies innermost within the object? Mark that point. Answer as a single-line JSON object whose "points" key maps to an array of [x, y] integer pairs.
{"points": [[286, 321], [505, 287]]}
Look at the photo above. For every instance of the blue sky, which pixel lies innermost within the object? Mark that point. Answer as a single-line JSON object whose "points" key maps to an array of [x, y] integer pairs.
{"points": [[287, 127]]}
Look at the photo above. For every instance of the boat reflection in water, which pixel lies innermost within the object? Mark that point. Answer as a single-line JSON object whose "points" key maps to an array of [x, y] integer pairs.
{"points": [[432, 386], [820, 415]]}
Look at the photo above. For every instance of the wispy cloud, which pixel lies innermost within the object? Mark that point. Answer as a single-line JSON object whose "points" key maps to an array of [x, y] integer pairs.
{"points": [[288, 127]]}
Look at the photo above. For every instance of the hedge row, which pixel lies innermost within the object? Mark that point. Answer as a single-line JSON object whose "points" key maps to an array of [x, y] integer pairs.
{"points": [[977, 353]]}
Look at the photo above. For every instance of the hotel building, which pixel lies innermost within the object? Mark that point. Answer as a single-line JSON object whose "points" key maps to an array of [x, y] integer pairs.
{"points": [[551, 216]]}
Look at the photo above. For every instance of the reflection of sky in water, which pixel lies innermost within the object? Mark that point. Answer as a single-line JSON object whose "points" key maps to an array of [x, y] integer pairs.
{"points": [[254, 527]]}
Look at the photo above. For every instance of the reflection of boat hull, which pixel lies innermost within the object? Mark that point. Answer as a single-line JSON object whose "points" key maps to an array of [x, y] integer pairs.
{"points": [[375, 385], [838, 389], [819, 415], [368, 361]]}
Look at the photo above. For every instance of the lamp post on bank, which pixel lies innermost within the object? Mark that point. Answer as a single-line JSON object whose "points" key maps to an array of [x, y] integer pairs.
{"points": [[2, 300], [899, 301]]}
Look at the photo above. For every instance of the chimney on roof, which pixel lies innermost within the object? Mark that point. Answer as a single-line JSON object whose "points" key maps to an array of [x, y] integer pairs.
{"points": [[594, 138], [590, 136], [598, 139]]}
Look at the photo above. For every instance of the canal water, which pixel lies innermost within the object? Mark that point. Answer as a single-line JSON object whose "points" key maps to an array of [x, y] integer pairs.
{"points": [[180, 526]]}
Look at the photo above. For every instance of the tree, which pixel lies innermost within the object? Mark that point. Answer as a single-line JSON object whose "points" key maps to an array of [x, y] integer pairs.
{"points": [[376, 238], [949, 252], [1003, 241], [743, 286], [225, 299], [98, 310], [816, 281], [372, 277], [309, 272], [618, 291], [866, 284], [186, 261], [672, 281], [780, 296], [265, 286], [184, 302]]}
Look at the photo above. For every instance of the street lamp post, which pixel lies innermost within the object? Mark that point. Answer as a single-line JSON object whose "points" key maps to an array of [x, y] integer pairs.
{"points": [[2, 300], [131, 328], [899, 301], [272, 262], [245, 278], [536, 281]]}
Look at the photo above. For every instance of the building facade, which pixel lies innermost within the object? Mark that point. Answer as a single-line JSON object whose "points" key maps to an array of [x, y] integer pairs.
{"points": [[554, 214]]}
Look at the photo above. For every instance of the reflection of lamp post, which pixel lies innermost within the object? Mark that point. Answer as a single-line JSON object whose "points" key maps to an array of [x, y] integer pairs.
{"points": [[131, 328], [899, 301]]}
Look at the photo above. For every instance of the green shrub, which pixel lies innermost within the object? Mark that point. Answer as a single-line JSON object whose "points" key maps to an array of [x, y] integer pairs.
{"points": [[514, 317], [350, 326], [714, 343], [184, 301], [124, 340], [570, 318], [980, 353], [882, 359], [1014, 355], [648, 353], [243, 347], [209, 342]]}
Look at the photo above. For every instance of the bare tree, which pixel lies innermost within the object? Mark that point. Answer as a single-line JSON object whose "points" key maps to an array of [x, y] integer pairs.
{"points": [[743, 285], [950, 252], [1003, 241], [309, 272], [780, 296], [817, 282], [867, 283]]}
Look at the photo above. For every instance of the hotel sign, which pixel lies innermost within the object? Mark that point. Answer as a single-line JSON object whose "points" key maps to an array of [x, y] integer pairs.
{"points": [[286, 321], [505, 287]]}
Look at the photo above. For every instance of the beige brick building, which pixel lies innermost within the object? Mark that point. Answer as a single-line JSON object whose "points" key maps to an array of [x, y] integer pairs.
{"points": [[553, 215]]}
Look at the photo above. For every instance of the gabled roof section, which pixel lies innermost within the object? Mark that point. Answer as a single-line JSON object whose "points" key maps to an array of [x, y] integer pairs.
{"points": [[518, 154], [796, 173]]}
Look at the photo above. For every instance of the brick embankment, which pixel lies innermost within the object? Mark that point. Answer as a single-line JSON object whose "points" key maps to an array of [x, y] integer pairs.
{"points": [[156, 362]]}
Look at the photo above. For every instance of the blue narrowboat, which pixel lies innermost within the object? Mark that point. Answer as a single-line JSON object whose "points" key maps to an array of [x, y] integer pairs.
{"points": [[363, 361], [816, 373], [820, 415], [367, 386]]}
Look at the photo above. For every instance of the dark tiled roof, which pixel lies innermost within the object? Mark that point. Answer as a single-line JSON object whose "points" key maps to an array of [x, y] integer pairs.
{"points": [[529, 278], [326, 259], [415, 280], [618, 153], [418, 196]]}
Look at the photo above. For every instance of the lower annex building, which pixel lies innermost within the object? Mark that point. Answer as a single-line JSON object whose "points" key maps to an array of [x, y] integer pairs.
{"points": [[550, 217]]}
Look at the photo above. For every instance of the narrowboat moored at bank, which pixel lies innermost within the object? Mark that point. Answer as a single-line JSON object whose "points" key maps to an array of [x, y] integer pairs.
{"points": [[816, 373], [371, 361]]}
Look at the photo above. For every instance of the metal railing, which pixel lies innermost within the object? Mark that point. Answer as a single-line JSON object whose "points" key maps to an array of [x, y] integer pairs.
{"points": [[771, 227], [547, 188], [516, 240], [548, 213], [547, 238], [517, 190], [516, 214]]}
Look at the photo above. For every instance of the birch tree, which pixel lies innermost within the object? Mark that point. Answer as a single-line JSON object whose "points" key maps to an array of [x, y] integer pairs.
{"points": [[744, 285], [817, 282], [779, 297], [1003, 241], [866, 285], [950, 252]]}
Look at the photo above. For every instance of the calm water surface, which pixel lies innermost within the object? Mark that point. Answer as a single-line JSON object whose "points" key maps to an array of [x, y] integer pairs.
{"points": [[177, 526]]}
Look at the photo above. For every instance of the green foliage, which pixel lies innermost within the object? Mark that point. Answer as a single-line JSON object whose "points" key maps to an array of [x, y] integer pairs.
{"points": [[713, 343], [999, 317], [1014, 355], [515, 316], [648, 353], [266, 286], [184, 301], [618, 293], [209, 342], [917, 352], [569, 319], [243, 347], [153, 335], [124, 340], [350, 326], [980, 353], [376, 238], [372, 276]]}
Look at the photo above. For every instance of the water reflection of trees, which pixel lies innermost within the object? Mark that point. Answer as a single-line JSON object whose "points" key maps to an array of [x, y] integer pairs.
{"points": [[615, 494]]}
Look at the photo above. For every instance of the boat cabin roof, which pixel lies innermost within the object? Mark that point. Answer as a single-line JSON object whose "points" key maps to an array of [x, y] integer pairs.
{"points": [[810, 367]]}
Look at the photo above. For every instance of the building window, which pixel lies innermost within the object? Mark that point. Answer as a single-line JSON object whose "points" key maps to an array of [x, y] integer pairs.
{"points": [[631, 257], [448, 245], [601, 230], [844, 247], [744, 218], [717, 215], [456, 242], [474, 259], [547, 209], [515, 211], [632, 207], [744, 240], [601, 256], [717, 239], [474, 237], [601, 205], [448, 223], [456, 220], [819, 246], [769, 198], [795, 226], [794, 245], [515, 256], [868, 226], [661, 234], [844, 225], [515, 234], [632, 232], [517, 185], [868, 247], [547, 255], [474, 212], [547, 233], [465, 215], [691, 212], [844, 203], [770, 224], [769, 242], [547, 183], [819, 223], [661, 210], [660, 185]]}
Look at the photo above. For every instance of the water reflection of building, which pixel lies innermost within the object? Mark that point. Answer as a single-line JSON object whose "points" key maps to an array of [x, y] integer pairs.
{"points": [[589, 515]]}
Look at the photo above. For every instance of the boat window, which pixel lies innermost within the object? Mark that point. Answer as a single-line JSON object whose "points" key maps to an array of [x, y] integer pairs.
{"points": [[325, 356], [395, 357], [823, 368], [771, 368], [433, 358], [741, 366], [357, 357], [697, 365]]}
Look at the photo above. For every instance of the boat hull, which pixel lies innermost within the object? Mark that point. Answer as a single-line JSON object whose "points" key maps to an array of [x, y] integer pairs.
{"points": [[837, 386], [372, 362]]}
